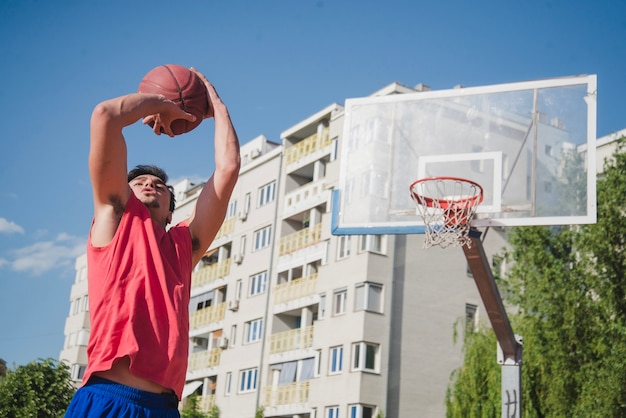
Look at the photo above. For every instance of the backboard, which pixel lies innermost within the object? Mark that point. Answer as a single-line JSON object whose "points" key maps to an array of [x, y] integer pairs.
{"points": [[530, 145]]}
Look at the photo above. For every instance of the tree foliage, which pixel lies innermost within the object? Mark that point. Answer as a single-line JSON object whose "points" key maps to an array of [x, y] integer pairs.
{"points": [[39, 389], [568, 285]]}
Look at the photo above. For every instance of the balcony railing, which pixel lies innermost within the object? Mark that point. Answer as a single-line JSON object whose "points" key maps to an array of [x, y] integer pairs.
{"points": [[228, 226], [209, 273], [307, 146], [294, 339], [300, 239], [207, 316], [305, 196], [206, 403], [293, 393], [295, 289], [204, 359]]}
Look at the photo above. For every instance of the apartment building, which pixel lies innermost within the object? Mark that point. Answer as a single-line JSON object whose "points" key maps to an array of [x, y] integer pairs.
{"points": [[287, 318]]}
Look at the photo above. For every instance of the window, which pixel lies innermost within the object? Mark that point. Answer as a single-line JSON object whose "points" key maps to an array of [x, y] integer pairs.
{"points": [[321, 309], [248, 380], [332, 412], [233, 335], [318, 363], [368, 297], [336, 360], [267, 194], [238, 287], [242, 245], [246, 203], [262, 237], [232, 209], [373, 243], [201, 301], [471, 317], [361, 411], [227, 384], [258, 283], [254, 331], [78, 371], [365, 357], [344, 247], [339, 298]]}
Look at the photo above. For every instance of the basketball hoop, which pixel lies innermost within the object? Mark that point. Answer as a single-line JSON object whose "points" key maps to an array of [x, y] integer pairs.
{"points": [[447, 206]]}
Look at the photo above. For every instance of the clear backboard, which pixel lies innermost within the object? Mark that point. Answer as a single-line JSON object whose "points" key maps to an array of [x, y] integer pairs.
{"points": [[530, 145]]}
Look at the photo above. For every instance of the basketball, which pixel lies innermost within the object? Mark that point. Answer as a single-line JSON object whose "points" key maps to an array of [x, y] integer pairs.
{"points": [[182, 86]]}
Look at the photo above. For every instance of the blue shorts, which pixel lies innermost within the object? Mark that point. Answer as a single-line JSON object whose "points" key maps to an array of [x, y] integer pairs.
{"points": [[100, 398]]}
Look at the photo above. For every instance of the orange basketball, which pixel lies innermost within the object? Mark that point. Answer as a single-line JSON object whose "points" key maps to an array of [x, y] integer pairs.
{"points": [[182, 86]]}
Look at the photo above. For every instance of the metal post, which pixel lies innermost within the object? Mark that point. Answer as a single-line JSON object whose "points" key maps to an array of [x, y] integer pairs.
{"points": [[509, 345]]}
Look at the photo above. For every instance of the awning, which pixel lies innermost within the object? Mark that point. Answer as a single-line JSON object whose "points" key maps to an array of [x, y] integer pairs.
{"points": [[191, 388]]}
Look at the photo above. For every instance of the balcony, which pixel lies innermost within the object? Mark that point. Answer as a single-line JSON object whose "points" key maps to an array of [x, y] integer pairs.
{"points": [[295, 339], [228, 226], [204, 359], [206, 316], [210, 273], [295, 289], [306, 147], [294, 393], [310, 195], [300, 239], [206, 403]]}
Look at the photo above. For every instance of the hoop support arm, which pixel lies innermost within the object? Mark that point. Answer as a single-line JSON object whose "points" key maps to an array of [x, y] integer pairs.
{"points": [[479, 266]]}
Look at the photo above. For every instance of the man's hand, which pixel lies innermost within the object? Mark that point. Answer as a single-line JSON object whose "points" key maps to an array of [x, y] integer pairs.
{"points": [[214, 98], [161, 122]]}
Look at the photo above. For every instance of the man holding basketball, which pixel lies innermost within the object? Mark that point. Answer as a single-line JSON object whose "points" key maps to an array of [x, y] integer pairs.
{"points": [[139, 271]]}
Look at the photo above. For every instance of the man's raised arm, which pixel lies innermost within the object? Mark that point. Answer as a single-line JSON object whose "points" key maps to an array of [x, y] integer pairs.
{"points": [[212, 203], [108, 157]]}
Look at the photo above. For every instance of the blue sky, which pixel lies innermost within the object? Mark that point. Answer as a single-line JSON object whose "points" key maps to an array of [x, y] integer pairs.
{"points": [[274, 62]]}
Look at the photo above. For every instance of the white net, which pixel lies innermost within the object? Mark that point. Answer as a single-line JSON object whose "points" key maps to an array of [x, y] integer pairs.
{"points": [[447, 206]]}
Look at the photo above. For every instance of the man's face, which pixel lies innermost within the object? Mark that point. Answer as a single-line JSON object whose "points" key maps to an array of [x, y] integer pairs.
{"points": [[153, 193]]}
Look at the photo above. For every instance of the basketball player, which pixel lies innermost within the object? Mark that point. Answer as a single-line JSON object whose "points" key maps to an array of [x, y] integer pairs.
{"points": [[140, 271]]}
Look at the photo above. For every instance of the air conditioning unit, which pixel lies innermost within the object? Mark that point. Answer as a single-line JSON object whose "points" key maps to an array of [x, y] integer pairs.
{"points": [[255, 153], [237, 258], [243, 215], [222, 342], [233, 305]]}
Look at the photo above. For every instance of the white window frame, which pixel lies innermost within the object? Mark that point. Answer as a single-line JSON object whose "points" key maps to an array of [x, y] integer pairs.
{"points": [[335, 360], [321, 309], [258, 283], [332, 412], [262, 238], [248, 380], [253, 331], [364, 300], [343, 247], [232, 209], [267, 194], [340, 297], [356, 411], [233, 335], [373, 244], [228, 383], [359, 357]]}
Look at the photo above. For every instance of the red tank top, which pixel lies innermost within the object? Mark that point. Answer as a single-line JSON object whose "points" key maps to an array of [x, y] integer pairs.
{"points": [[139, 286]]}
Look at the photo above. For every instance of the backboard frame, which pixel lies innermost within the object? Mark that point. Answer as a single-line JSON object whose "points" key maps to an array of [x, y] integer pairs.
{"points": [[413, 225]]}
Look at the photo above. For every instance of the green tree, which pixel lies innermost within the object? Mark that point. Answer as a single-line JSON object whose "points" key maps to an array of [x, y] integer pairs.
{"points": [[192, 409], [569, 287], [39, 389], [476, 392]]}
